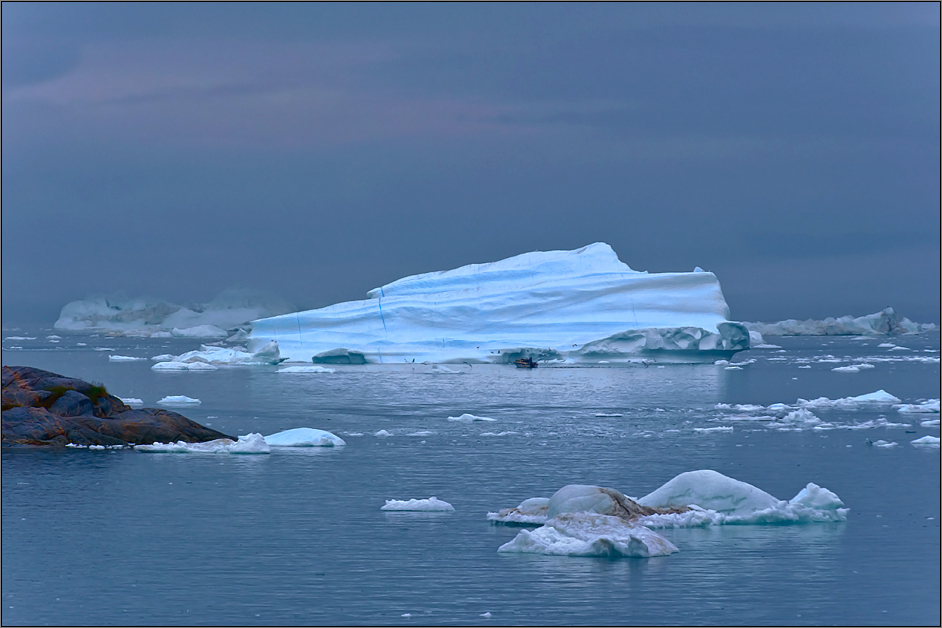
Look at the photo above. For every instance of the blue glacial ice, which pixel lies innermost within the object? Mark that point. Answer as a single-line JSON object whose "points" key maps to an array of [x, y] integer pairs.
{"points": [[559, 307]]}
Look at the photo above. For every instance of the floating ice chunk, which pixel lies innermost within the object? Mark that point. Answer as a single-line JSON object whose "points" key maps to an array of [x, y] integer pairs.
{"points": [[103, 349], [930, 423], [421, 433], [469, 418], [443, 370], [134, 402], [171, 366], [755, 339], [382, 434], [248, 444], [846, 369], [306, 369], [709, 430], [765, 346], [530, 512], [432, 504], [722, 363], [498, 433], [20, 338], [884, 444], [304, 437], [886, 345], [124, 358], [486, 615], [589, 534], [927, 441], [926, 407], [710, 490], [163, 357], [608, 414], [179, 400]]}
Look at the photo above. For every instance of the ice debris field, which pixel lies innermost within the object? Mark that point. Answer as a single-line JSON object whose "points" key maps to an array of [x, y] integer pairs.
{"points": [[251, 443]]}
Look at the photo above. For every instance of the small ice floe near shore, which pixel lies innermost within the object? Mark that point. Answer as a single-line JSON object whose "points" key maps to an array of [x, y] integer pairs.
{"points": [[124, 358], [304, 437], [581, 520], [95, 447], [432, 504], [179, 400], [926, 441], [248, 444], [134, 402], [469, 418], [306, 369], [183, 366], [251, 443]]}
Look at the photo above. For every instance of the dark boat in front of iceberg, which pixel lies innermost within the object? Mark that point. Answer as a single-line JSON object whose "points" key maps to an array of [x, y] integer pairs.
{"points": [[526, 363]]}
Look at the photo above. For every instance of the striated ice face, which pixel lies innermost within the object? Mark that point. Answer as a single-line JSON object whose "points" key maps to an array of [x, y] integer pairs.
{"points": [[571, 307]]}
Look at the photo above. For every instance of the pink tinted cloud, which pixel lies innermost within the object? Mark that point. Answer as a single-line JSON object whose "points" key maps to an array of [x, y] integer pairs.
{"points": [[230, 94]]}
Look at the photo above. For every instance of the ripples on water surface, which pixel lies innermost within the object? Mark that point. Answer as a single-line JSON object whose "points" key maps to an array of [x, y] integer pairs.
{"points": [[298, 537]]}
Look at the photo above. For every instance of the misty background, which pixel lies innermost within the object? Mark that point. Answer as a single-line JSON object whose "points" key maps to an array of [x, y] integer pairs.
{"points": [[316, 151]]}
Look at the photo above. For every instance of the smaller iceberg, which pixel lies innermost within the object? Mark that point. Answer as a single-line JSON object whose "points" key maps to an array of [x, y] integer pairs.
{"points": [[304, 437], [432, 504], [124, 358], [926, 441], [211, 356], [179, 400], [306, 369], [887, 322]]}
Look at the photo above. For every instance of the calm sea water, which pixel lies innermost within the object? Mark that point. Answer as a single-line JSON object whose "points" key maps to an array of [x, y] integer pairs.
{"points": [[298, 537]]}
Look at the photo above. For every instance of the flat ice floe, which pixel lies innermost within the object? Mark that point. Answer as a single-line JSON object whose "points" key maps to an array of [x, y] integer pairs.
{"points": [[179, 400], [249, 444], [174, 365], [469, 418], [432, 504], [304, 437], [558, 307], [134, 402], [927, 407], [926, 441], [124, 358]]}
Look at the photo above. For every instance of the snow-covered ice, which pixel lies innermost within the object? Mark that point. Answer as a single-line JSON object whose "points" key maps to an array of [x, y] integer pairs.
{"points": [[263, 353], [883, 444], [179, 400], [927, 441], [432, 504], [248, 444], [574, 307], [382, 434], [134, 402], [304, 437]]}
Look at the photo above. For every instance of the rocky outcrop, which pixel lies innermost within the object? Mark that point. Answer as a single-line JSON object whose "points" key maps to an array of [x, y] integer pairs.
{"points": [[44, 408]]}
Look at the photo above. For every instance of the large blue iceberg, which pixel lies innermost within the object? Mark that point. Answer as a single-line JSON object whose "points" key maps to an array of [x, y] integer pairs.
{"points": [[576, 307]]}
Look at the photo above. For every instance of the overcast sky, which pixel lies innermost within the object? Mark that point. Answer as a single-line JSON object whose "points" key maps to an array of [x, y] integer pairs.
{"points": [[317, 151]]}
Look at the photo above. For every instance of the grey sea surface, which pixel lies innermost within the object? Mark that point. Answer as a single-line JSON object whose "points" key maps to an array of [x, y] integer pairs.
{"points": [[298, 537]]}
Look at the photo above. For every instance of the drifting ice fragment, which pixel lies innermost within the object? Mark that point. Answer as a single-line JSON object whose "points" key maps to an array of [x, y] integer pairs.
{"points": [[132, 401], [304, 437], [927, 441], [249, 444], [305, 369], [179, 400], [588, 534], [432, 504], [926, 407], [123, 358], [469, 418]]}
